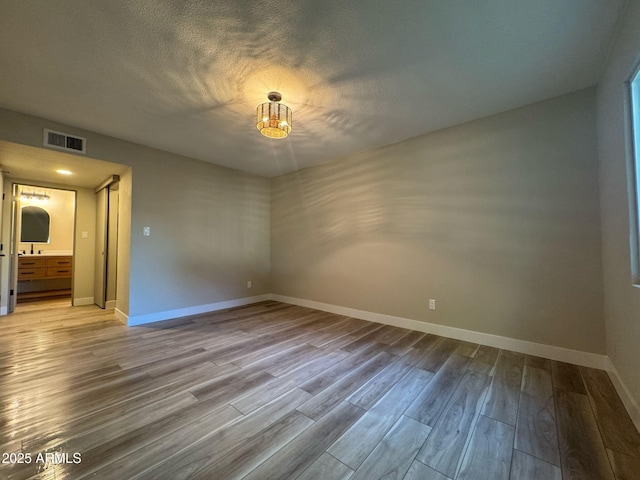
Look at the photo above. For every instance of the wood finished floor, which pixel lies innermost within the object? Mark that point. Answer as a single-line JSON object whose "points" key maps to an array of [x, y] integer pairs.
{"points": [[273, 391]]}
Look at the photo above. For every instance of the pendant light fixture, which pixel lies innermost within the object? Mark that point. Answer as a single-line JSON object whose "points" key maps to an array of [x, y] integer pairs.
{"points": [[273, 118]]}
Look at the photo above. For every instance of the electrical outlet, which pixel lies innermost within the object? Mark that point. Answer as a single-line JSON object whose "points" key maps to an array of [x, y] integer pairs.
{"points": [[248, 283], [432, 304], [146, 231]]}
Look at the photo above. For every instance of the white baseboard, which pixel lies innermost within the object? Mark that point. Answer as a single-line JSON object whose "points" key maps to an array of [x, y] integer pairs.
{"points": [[77, 302], [576, 357], [109, 304], [120, 315], [625, 395], [4, 311], [195, 310]]}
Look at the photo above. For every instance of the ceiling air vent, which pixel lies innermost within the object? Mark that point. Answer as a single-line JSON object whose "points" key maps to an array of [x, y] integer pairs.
{"points": [[64, 141]]}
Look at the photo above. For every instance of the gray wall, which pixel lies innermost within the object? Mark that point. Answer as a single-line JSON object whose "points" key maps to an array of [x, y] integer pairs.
{"points": [[496, 219], [209, 224], [85, 248], [209, 234], [622, 299]]}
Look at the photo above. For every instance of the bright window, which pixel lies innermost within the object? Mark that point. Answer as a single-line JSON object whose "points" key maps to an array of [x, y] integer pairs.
{"points": [[635, 130]]}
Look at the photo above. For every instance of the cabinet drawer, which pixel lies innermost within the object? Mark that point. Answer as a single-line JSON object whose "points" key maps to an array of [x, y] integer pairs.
{"points": [[58, 272], [31, 273], [59, 262], [31, 262]]}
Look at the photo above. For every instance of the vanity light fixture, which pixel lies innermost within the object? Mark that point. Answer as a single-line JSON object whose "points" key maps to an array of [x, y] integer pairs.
{"points": [[34, 197], [273, 118]]}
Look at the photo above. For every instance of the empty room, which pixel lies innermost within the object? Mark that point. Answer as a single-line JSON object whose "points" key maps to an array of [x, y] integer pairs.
{"points": [[320, 240]]}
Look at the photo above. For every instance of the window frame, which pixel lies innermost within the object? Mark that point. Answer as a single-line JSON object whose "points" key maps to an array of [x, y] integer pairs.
{"points": [[633, 153]]}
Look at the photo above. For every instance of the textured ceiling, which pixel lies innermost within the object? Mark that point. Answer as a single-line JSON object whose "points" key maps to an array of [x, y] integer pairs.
{"points": [[186, 75]]}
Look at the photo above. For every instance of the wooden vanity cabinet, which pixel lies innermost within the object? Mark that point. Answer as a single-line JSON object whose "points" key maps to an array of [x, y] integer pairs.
{"points": [[44, 268]]}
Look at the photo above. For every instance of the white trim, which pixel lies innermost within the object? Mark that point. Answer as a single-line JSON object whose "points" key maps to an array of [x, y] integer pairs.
{"points": [[576, 357], [77, 302], [625, 395], [109, 304], [120, 315], [4, 311], [195, 310]]}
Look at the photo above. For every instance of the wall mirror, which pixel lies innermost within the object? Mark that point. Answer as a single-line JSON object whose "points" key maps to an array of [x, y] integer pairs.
{"points": [[35, 225]]}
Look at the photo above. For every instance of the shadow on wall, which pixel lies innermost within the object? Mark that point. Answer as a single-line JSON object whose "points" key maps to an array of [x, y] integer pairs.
{"points": [[498, 217], [449, 201]]}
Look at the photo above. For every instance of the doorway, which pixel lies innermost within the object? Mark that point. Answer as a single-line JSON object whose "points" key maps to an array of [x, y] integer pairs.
{"points": [[49, 169], [43, 234]]}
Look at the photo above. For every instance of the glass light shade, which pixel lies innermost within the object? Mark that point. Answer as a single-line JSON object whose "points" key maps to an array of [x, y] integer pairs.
{"points": [[273, 119]]}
